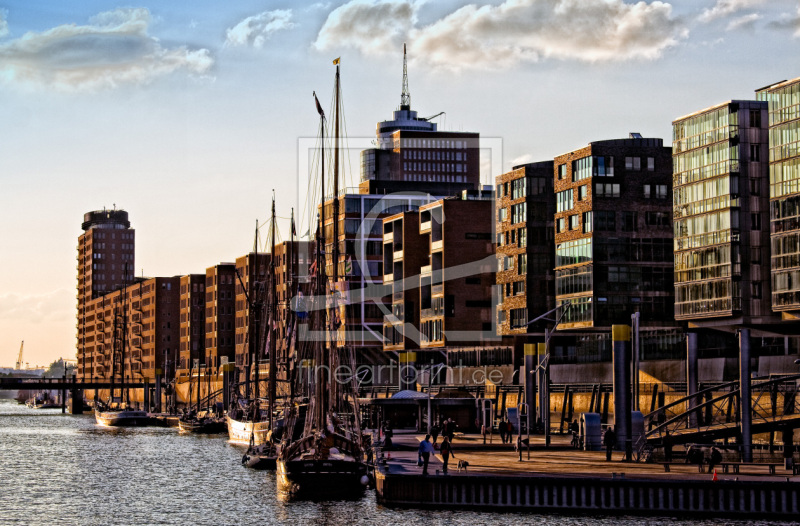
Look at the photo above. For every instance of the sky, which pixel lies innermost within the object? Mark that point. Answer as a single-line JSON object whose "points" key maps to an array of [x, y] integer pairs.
{"points": [[189, 114]]}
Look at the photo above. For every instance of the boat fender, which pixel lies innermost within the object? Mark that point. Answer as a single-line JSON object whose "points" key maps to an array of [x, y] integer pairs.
{"points": [[364, 480], [245, 460]]}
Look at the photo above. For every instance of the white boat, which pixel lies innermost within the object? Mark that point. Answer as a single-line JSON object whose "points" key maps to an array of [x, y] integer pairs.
{"points": [[240, 431]]}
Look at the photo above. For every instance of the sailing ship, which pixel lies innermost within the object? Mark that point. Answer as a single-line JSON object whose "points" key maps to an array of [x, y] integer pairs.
{"points": [[116, 413], [326, 458], [252, 422], [195, 419]]}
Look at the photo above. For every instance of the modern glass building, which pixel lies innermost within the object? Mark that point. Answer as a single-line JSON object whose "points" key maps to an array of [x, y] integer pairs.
{"points": [[720, 214], [783, 101]]}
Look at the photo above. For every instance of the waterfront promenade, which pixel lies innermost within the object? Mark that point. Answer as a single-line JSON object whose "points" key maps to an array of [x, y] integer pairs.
{"points": [[560, 479]]}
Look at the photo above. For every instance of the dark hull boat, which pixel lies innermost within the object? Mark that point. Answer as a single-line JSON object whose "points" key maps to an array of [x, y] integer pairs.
{"points": [[207, 426], [322, 478], [122, 418]]}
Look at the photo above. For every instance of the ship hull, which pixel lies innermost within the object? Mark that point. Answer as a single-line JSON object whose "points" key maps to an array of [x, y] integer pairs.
{"points": [[125, 418], [321, 478], [239, 432], [205, 427]]}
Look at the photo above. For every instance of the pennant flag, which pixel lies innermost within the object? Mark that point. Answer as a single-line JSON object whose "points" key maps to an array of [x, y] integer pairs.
{"points": [[319, 108], [336, 61]]}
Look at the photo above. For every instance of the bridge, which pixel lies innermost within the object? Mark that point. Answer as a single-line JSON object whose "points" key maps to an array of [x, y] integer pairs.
{"points": [[716, 413], [76, 387]]}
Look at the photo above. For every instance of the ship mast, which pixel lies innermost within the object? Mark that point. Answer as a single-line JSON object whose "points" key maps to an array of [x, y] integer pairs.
{"points": [[320, 389], [334, 338], [273, 367]]}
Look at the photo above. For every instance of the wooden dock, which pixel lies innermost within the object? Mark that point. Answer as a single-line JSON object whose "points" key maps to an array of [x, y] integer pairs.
{"points": [[568, 481]]}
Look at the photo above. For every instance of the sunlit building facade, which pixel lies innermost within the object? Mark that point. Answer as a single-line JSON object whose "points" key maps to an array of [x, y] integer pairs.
{"points": [[783, 101], [721, 205]]}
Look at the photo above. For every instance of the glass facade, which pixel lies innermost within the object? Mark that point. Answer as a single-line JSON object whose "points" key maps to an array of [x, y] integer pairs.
{"points": [[713, 215], [784, 178]]}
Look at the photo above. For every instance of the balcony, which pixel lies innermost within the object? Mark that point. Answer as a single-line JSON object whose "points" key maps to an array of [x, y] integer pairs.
{"points": [[437, 289], [388, 237], [436, 309], [425, 271]]}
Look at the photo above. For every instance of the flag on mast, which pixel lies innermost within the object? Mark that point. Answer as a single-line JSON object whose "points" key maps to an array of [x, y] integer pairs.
{"points": [[336, 61], [319, 108]]}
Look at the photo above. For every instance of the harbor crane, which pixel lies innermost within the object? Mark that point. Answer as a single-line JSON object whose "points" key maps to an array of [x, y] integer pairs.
{"points": [[19, 358]]}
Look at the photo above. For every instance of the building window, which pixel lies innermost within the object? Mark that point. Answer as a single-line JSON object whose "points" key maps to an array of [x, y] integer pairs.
{"points": [[519, 318], [755, 221], [564, 200], [574, 223], [583, 192], [606, 190], [633, 163], [605, 220], [560, 223], [562, 171], [518, 212], [657, 219], [522, 264], [629, 221], [651, 164], [755, 152], [755, 118], [587, 222], [756, 289]]}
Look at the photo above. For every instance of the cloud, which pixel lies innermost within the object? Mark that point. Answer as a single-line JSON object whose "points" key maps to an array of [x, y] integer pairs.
{"points": [[321, 6], [743, 23], [3, 23], [57, 305], [507, 34], [522, 159], [113, 49], [788, 21], [374, 27], [724, 8], [255, 30]]}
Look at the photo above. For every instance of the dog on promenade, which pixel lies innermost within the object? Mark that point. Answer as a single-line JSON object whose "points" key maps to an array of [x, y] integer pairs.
{"points": [[462, 464]]}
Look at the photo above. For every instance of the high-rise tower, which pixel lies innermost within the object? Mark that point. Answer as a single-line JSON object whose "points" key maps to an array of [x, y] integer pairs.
{"points": [[413, 155], [105, 251]]}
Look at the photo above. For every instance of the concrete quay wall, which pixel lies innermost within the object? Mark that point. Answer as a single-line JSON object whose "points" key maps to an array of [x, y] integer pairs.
{"points": [[567, 495]]}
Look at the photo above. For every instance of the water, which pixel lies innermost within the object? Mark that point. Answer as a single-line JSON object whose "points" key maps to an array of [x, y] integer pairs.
{"points": [[64, 469]]}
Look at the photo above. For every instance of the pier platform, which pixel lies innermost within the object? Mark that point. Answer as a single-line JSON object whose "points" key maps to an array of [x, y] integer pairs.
{"points": [[565, 480]]}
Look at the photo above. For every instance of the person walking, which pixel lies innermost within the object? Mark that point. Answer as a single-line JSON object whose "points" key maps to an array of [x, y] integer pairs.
{"points": [[446, 449], [435, 429], [609, 440], [667, 442], [501, 428], [426, 448]]}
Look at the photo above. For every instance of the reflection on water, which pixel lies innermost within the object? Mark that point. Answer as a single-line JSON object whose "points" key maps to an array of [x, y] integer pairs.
{"points": [[63, 469]]}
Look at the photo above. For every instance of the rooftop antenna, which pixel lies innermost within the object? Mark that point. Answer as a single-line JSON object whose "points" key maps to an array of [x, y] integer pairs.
{"points": [[405, 98]]}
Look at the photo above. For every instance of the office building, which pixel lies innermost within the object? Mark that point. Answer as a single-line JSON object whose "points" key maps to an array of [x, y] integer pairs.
{"points": [[525, 207]]}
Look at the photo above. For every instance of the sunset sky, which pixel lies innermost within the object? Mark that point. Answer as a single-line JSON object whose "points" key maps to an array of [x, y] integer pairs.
{"points": [[188, 114]]}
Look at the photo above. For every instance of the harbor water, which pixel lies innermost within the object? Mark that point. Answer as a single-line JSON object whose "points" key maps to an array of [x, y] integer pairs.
{"points": [[64, 469]]}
